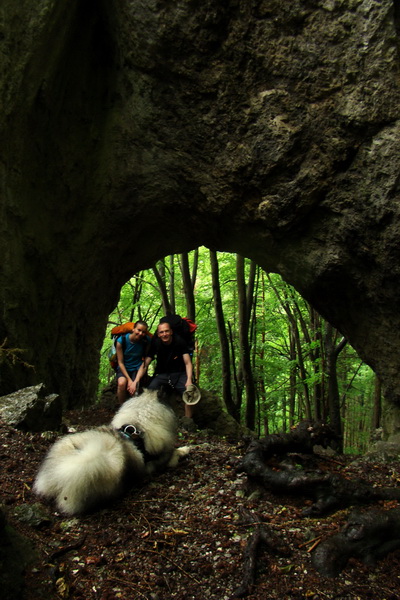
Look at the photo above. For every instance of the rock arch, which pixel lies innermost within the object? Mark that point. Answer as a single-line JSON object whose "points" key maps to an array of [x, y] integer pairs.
{"points": [[136, 129]]}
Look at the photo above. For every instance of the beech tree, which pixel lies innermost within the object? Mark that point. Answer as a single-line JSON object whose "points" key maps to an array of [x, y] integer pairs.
{"points": [[189, 281], [160, 276], [245, 302], [232, 406]]}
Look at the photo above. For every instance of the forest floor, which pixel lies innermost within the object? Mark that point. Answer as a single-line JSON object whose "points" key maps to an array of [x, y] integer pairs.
{"points": [[183, 534]]}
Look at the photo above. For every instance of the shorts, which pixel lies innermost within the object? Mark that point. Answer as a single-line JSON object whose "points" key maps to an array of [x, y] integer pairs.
{"points": [[176, 381], [119, 373]]}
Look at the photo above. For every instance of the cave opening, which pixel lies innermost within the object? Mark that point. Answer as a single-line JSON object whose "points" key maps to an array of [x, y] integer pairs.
{"points": [[290, 343]]}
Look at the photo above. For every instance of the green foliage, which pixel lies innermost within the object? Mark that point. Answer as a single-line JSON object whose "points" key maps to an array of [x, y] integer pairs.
{"points": [[278, 373]]}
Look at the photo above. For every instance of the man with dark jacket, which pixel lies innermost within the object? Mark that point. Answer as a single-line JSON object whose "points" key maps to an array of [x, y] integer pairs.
{"points": [[173, 366]]}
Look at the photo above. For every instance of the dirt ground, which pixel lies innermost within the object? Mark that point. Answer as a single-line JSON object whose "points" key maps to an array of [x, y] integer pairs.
{"points": [[183, 534]]}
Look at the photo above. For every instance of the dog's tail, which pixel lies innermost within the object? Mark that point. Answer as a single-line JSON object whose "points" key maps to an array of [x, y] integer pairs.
{"points": [[85, 469]]}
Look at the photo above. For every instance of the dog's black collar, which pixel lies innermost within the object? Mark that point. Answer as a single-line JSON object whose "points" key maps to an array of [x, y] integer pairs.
{"points": [[131, 432], [136, 436]]}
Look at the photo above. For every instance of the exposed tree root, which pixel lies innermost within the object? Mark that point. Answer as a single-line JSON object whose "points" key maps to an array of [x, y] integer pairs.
{"points": [[296, 475], [368, 536], [261, 536]]}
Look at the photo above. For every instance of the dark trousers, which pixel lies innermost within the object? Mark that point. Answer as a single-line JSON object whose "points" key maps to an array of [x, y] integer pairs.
{"points": [[176, 381]]}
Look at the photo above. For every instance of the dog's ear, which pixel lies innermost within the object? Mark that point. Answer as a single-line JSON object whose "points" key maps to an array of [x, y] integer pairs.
{"points": [[163, 393]]}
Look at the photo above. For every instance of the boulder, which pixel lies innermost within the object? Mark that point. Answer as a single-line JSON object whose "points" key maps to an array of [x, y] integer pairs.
{"points": [[32, 409], [210, 413]]}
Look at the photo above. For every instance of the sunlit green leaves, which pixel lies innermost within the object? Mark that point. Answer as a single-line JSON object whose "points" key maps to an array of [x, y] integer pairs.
{"points": [[277, 310]]}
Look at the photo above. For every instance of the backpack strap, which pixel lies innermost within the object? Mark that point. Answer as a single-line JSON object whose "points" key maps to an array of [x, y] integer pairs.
{"points": [[123, 341]]}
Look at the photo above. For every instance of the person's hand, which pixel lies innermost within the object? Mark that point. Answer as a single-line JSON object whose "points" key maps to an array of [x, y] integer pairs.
{"points": [[132, 385]]}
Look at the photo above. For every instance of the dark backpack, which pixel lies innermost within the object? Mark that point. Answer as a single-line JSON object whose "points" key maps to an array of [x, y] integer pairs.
{"points": [[183, 327]]}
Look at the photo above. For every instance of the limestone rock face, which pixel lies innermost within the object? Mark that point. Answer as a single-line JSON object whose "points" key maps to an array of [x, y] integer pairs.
{"points": [[270, 128], [32, 409]]}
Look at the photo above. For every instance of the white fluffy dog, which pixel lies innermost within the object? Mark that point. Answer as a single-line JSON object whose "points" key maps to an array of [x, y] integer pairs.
{"points": [[82, 470]]}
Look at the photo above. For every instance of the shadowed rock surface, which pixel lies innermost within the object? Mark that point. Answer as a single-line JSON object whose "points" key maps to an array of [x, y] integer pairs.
{"points": [[271, 129], [32, 409]]}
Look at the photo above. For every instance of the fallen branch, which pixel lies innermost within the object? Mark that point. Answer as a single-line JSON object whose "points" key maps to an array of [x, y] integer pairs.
{"points": [[314, 545], [314, 542], [64, 549]]}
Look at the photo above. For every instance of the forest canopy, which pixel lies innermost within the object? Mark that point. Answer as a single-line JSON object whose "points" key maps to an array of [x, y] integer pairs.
{"points": [[273, 359]]}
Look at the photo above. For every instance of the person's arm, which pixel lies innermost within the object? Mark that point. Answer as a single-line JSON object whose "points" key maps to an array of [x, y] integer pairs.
{"points": [[142, 370], [189, 368], [121, 364]]}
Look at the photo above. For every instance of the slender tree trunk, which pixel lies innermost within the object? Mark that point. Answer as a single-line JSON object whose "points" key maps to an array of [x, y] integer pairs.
{"points": [[159, 273], [300, 362], [195, 267], [237, 378], [198, 361], [299, 351], [263, 387], [376, 417], [188, 286], [252, 301], [316, 362], [223, 339], [251, 287], [136, 288], [245, 358], [266, 425], [361, 422], [332, 352], [172, 282], [298, 318], [292, 376]]}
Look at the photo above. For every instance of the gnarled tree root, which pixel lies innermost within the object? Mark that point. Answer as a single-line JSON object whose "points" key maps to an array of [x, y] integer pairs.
{"points": [[329, 491], [261, 536], [367, 536]]}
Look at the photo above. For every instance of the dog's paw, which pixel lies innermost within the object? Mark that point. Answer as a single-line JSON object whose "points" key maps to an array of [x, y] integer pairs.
{"points": [[178, 453], [183, 450]]}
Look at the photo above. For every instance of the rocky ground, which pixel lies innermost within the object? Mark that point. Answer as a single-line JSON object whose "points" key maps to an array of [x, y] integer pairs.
{"points": [[183, 534]]}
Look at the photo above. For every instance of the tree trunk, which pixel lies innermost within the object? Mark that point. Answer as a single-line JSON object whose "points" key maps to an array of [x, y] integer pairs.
{"points": [[188, 286], [376, 417], [172, 282], [195, 266], [292, 377], [316, 356], [223, 339], [245, 358], [295, 338], [237, 376], [332, 353], [159, 273]]}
